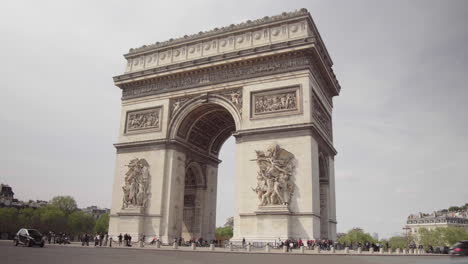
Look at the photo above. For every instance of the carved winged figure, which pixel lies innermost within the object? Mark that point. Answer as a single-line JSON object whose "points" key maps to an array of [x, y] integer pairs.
{"points": [[136, 188], [273, 178]]}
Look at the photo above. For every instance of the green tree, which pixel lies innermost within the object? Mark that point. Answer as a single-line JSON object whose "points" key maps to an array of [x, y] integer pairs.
{"points": [[224, 233], [52, 219], [80, 222], [454, 208], [452, 235], [398, 242], [8, 220], [356, 236], [102, 224], [28, 218], [65, 203]]}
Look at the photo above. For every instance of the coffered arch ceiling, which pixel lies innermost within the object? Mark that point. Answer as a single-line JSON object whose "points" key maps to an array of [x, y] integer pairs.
{"points": [[207, 127]]}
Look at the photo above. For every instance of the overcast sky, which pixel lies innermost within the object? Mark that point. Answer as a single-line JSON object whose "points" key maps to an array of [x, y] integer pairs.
{"points": [[400, 122]]}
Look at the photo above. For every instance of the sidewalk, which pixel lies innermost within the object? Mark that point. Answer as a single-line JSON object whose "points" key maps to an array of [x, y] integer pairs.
{"points": [[135, 246]]}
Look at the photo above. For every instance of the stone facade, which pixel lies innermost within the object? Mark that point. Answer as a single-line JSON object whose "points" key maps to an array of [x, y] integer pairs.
{"points": [[268, 82]]}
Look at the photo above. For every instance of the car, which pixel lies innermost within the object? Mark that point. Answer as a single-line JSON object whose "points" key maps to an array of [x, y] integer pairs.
{"points": [[29, 237], [460, 248]]}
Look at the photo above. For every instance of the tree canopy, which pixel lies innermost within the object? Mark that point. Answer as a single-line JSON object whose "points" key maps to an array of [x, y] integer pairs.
{"points": [[65, 203], [356, 236]]}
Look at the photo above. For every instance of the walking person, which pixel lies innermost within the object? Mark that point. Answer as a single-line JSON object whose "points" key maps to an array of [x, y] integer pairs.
{"points": [[96, 240], [120, 239]]}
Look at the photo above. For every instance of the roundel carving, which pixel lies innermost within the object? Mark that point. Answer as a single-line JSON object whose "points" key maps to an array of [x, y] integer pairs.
{"points": [[275, 32], [223, 43], [240, 40], [294, 28], [257, 36]]}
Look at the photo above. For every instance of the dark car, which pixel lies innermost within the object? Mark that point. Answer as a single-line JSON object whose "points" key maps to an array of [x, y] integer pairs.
{"points": [[460, 248], [29, 237]]}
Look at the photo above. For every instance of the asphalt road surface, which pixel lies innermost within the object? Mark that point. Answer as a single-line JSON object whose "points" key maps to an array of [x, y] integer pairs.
{"points": [[50, 254]]}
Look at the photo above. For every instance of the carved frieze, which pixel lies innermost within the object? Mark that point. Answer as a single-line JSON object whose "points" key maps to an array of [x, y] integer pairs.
{"points": [[231, 72], [274, 184], [176, 103], [321, 116], [276, 102], [144, 120], [235, 97], [136, 189]]}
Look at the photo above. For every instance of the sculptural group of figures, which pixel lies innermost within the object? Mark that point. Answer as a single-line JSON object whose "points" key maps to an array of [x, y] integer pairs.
{"points": [[271, 103], [274, 186], [144, 120], [136, 184]]}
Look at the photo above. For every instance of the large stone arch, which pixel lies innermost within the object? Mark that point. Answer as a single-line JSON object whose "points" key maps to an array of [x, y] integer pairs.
{"points": [[268, 82]]}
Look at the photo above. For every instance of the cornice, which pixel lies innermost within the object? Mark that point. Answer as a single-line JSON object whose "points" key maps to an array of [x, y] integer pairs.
{"points": [[303, 43], [313, 127], [285, 16]]}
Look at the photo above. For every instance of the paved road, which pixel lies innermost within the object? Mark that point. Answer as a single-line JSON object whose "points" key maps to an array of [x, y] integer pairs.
{"points": [[51, 254]]}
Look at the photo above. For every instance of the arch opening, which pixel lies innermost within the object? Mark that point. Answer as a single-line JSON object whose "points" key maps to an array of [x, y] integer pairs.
{"points": [[204, 128], [207, 127]]}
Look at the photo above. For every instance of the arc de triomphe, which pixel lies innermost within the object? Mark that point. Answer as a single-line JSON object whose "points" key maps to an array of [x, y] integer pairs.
{"points": [[270, 83]]}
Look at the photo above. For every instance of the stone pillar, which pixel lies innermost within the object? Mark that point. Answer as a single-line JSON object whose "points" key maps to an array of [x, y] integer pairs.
{"points": [[248, 247], [381, 251], [158, 244], [194, 246], [267, 248], [317, 250], [397, 251], [359, 250], [302, 249], [371, 250], [175, 245], [212, 247], [411, 251], [346, 250], [285, 249], [332, 250], [390, 250], [405, 251]]}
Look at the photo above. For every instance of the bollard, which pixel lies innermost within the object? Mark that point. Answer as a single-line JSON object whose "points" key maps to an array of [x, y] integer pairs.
{"points": [[212, 248], [359, 250], [317, 250], [332, 249], [346, 250], [381, 250], [405, 251], [158, 244], [302, 249], [194, 246], [371, 250], [267, 248], [248, 248], [175, 246], [397, 251]]}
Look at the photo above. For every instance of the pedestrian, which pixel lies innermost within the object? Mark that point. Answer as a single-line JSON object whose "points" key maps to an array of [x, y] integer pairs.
{"points": [[243, 242], [96, 240], [101, 238], [120, 239]]}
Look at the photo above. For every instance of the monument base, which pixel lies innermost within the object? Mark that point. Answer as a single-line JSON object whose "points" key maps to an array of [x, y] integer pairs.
{"points": [[132, 211], [272, 210]]}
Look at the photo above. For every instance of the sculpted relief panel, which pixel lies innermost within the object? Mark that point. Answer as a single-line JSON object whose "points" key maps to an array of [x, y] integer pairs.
{"points": [[136, 188], [322, 117], [145, 120], [274, 185], [283, 101]]}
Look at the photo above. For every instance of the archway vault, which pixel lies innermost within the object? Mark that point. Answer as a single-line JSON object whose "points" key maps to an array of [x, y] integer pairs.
{"points": [[205, 123]]}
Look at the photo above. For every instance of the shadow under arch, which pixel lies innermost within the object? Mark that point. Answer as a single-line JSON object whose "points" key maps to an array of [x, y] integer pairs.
{"points": [[205, 122]]}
